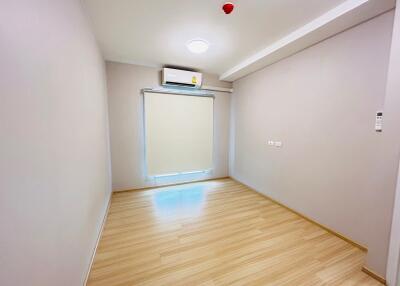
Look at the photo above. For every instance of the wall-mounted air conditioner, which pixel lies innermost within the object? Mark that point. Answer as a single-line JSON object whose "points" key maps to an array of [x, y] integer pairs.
{"points": [[176, 77]]}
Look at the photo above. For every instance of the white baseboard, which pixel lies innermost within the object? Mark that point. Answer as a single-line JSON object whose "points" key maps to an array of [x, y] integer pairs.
{"points": [[98, 238]]}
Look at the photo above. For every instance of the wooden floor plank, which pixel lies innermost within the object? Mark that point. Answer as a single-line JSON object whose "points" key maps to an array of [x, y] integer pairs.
{"points": [[217, 233]]}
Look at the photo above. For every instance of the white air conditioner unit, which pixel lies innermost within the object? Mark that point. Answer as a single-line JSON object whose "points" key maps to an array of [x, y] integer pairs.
{"points": [[181, 78]]}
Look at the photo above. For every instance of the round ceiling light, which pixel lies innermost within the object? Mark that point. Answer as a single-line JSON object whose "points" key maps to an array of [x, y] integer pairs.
{"points": [[197, 46]]}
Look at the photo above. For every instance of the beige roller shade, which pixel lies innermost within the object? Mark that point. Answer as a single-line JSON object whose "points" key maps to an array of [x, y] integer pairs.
{"points": [[178, 133]]}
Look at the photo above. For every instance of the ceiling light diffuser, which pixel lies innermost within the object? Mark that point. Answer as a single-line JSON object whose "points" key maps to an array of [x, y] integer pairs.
{"points": [[197, 46]]}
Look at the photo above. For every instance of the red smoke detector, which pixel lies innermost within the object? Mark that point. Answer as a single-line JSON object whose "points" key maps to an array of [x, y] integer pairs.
{"points": [[228, 7]]}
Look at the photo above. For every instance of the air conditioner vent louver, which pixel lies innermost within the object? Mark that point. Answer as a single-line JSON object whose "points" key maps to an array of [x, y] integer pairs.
{"points": [[180, 84]]}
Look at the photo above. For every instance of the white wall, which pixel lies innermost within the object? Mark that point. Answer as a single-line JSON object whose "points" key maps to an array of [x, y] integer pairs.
{"points": [[321, 103], [124, 83], [54, 162]]}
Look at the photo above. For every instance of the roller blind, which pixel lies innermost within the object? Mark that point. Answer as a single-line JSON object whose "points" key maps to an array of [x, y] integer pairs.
{"points": [[178, 133]]}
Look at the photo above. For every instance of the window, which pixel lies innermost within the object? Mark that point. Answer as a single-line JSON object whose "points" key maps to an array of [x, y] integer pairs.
{"points": [[178, 133]]}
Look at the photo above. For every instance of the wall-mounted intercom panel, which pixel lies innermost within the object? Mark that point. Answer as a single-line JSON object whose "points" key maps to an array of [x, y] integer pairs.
{"points": [[378, 121]]}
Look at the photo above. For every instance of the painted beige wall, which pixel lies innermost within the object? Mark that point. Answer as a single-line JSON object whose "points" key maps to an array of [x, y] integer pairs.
{"points": [[54, 159], [125, 82], [321, 104]]}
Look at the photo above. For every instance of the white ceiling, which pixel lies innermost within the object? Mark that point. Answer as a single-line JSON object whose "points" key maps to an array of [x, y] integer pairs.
{"points": [[154, 32]]}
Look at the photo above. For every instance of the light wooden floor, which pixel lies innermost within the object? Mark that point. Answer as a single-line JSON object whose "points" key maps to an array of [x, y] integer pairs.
{"points": [[217, 233]]}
